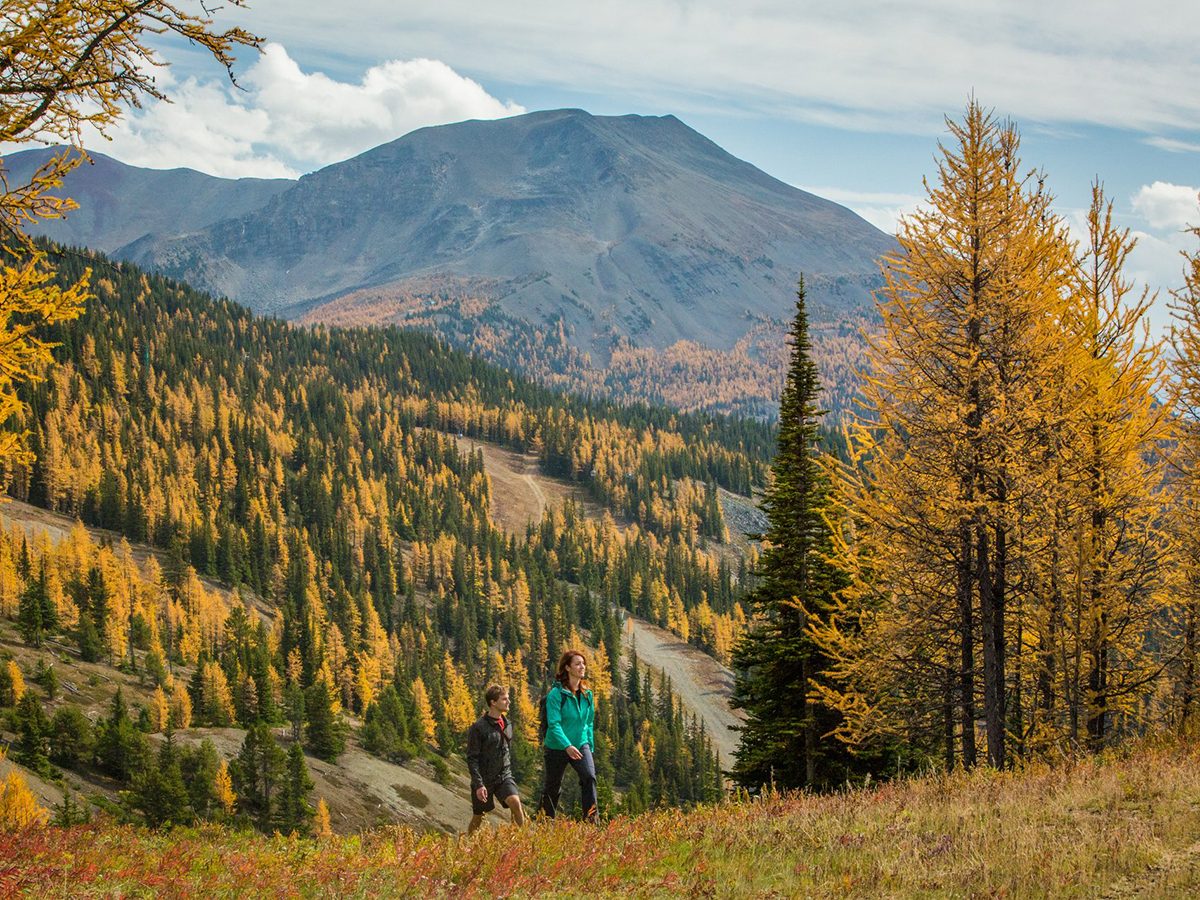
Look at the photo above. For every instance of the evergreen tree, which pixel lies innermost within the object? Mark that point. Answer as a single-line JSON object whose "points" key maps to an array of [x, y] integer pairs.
{"points": [[33, 734], [45, 676], [295, 812], [71, 736], [325, 733], [90, 648], [385, 728], [293, 699], [36, 616], [257, 773], [121, 750], [200, 767], [159, 793], [71, 812], [776, 661]]}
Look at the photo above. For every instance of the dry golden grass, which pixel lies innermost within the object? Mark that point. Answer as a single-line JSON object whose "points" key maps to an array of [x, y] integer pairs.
{"points": [[1121, 826]]}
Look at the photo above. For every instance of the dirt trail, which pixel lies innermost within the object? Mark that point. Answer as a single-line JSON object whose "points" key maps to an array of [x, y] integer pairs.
{"points": [[538, 493], [703, 684], [520, 493]]}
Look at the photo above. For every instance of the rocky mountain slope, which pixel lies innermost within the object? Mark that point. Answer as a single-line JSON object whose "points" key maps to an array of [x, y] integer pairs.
{"points": [[623, 228], [120, 203]]}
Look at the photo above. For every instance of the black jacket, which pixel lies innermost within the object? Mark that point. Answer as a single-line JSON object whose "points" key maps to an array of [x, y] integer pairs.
{"points": [[488, 758]]}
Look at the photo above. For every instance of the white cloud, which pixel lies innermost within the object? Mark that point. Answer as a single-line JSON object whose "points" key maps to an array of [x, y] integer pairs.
{"points": [[1172, 145], [323, 119], [1157, 263], [287, 121], [881, 209], [857, 63], [1168, 206], [202, 129]]}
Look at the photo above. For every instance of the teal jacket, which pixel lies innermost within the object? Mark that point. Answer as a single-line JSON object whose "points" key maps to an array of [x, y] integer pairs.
{"points": [[569, 718]]}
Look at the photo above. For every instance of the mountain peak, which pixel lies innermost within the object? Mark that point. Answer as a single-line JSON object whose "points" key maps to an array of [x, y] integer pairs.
{"points": [[615, 228]]}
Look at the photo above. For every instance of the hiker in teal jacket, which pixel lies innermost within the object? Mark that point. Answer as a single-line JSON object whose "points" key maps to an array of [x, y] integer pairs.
{"points": [[570, 718]]}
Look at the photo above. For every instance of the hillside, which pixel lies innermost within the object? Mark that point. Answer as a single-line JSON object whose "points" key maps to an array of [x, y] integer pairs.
{"points": [[361, 790], [1117, 826], [294, 531]]}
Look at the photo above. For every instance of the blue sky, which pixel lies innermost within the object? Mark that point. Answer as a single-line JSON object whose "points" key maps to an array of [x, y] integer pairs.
{"points": [[846, 100]]}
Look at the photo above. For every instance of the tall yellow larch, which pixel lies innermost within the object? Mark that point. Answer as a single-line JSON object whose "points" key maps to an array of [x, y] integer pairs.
{"points": [[947, 452], [497, 669], [425, 716], [19, 808], [519, 600], [160, 711], [16, 679], [1184, 489], [460, 708], [322, 829], [1112, 545], [324, 677], [216, 700], [677, 619], [524, 711], [181, 704], [600, 672], [11, 583], [367, 680], [223, 789]]}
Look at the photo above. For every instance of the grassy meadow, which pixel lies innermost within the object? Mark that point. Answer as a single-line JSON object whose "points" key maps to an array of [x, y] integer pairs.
{"points": [[1119, 826]]}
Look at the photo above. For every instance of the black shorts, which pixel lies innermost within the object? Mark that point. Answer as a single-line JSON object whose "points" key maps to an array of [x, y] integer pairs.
{"points": [[501, 790]]}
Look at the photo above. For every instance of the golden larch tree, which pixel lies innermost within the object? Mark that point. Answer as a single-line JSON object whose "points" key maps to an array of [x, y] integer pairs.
{"points": [[67, 68], [1184, 487], [945, 452]]}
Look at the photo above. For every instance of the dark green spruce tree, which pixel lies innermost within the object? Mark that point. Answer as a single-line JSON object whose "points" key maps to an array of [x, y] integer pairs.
{"points": [[776, 662], [295, 812]]}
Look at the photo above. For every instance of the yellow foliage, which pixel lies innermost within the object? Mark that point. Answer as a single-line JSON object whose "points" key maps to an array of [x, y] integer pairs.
{"points": [[998, 517], [10, 581], [321, 827], [367, 680], [223, 788], [19, 808], [67, 66], [181, 705], [599, 672], [216, 700], [28, 298], [424, 710], [16, 679], [160, 711], [460, 710], [325, 677]]}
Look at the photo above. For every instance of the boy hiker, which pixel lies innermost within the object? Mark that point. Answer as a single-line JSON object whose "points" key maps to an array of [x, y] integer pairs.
{"points": [[490, 762]]}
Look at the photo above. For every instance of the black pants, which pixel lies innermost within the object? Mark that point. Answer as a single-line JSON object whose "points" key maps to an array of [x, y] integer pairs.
{"points": [[556, 764]]}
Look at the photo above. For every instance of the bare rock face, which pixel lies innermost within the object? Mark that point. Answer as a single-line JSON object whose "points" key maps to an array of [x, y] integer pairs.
{"points": [[613, 228], [119, 204]]}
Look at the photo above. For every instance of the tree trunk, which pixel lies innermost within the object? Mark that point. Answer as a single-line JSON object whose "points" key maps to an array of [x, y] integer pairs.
{"points": [[991, 596], [966, 631]]}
